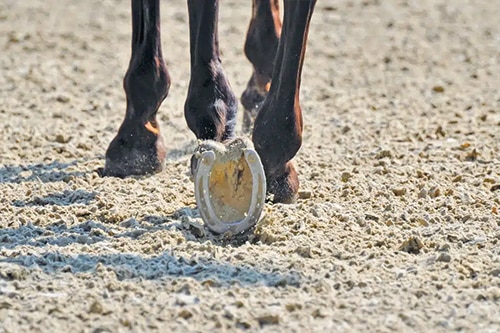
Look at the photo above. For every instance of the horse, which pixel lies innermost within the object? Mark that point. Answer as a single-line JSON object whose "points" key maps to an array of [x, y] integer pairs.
{"points": [[272, 112]]}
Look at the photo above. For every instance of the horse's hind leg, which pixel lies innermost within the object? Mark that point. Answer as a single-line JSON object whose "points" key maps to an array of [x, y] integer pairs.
{"points": [[260, 48], [138, 147]]}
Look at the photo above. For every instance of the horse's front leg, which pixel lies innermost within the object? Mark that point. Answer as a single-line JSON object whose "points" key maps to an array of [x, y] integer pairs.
{"points": [[227, 173], [277, 134], [138, 147], [211, 106]]}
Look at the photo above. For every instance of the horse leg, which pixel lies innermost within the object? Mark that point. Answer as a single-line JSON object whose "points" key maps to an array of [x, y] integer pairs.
{"points": [[227, 173], [260, 48], [210, 108], [138, 147], [277, 133]]}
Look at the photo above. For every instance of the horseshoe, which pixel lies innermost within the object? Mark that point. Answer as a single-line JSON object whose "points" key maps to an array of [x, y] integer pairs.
{"points": [[230, 185]]}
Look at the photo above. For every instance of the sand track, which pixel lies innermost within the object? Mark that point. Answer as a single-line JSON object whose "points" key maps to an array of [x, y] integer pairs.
{"points": [[400, 161]]}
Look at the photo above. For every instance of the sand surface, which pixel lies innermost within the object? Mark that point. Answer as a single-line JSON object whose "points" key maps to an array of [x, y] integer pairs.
{"points": [[398, 229]]}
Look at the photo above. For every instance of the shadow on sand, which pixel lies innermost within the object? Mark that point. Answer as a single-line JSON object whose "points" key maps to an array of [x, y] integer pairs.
{"points": [[65, 198], [128, 266], [45, 173], [16, 255], [125, 266], [97, 228]]}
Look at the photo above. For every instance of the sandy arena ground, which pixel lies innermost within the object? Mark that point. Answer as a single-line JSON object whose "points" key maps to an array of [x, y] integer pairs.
{"points": [[398, 228]]}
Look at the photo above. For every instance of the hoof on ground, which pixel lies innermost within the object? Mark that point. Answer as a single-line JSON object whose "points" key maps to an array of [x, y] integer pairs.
{"points": [[134, 155]]}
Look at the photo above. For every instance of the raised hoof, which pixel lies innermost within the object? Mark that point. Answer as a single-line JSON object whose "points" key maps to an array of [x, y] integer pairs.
{"points": [[284, 188], [230, 185], [140, 153]]}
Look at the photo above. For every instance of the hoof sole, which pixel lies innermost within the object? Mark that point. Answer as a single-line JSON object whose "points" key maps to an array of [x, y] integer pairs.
{"points": [[230, 185]]}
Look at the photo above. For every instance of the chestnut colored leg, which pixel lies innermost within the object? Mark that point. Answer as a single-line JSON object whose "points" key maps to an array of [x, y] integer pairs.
{"points": [[211, 106], [260, 48], [138, 147], [277, 134]]}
